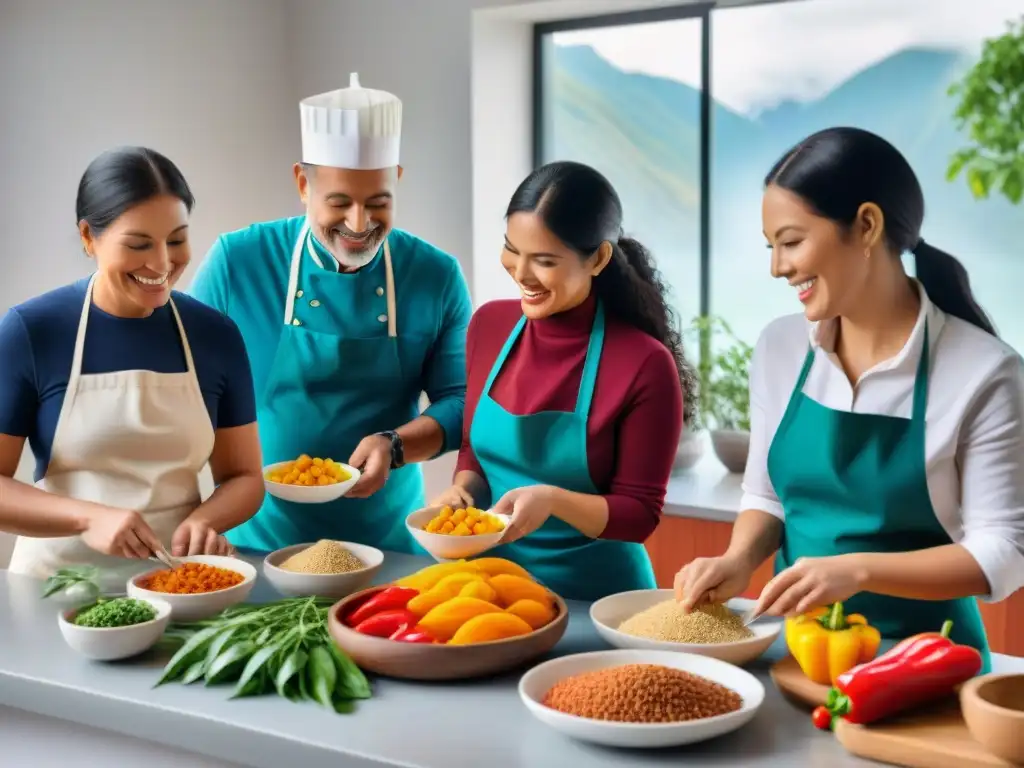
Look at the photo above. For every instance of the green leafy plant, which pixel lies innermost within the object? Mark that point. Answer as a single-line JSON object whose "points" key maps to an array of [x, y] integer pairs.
{"points": [[281, 647], [77, 581], [991, 112], [724, 372]]}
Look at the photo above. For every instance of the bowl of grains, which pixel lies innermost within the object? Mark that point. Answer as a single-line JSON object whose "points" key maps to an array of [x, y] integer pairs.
{"points": [[651, 619], [326, 568], [200, 587], [641, 699], [110, 629]]}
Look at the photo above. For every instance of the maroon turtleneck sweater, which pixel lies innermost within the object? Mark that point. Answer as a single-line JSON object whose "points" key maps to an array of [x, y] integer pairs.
{"points": [[636, 417]]}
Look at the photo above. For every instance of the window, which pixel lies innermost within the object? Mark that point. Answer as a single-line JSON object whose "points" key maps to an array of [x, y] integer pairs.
{"points": [[778, 72], [626, 100]]}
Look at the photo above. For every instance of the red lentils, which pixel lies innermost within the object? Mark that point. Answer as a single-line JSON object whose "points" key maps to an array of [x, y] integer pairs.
{"points": [[191, 579], [642, 693]]}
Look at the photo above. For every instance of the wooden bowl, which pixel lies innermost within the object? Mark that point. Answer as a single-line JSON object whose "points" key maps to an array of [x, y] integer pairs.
{"points": [[993, 708], [415, 661]]}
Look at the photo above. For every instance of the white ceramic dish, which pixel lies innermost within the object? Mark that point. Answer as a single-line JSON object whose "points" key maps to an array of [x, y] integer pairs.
{"points": [[311, 494], [609, 612], [326, 585], [445, 547], [112, 643], [201, 606], [535, 684]]}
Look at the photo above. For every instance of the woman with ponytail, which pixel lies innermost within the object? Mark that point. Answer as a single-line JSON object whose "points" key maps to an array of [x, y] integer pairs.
{"points": [[576, 392], [887, 420]]}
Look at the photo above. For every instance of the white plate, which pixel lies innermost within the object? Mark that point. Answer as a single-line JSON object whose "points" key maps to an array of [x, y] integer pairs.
{"points": [[111, 643], [609, 612], [309, 494], [206, 604], [336, 585], [535, 684], [445, 547]]}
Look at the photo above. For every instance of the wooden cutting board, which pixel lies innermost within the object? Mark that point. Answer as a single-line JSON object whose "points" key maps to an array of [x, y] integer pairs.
{"points": [[934, 737]]}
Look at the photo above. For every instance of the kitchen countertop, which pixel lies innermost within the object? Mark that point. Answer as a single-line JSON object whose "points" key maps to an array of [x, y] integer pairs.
{"points": [[413, 725], [706, 491]]}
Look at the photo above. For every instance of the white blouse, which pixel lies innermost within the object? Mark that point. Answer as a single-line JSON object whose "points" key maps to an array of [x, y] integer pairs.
{"points": [[974, 440]]}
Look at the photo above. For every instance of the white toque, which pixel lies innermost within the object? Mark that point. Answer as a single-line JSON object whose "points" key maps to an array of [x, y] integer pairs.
{"points": [[354, 127]]}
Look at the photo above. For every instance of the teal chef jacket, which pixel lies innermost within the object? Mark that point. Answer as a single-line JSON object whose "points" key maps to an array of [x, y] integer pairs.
{"points": [[333, 373]]}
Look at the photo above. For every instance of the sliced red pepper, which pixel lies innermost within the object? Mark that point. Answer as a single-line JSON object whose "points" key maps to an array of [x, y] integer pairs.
{"points": [[413, 634], [386, 623], [388, 599], [915, 671]]}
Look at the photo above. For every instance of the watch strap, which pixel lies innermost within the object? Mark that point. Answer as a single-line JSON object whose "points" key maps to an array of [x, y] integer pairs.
{"points": [[397, 448]]}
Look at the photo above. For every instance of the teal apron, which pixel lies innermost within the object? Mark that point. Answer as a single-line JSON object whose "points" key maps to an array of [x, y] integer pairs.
{"points": [[324, 394], [550, 448], [855, 482]]}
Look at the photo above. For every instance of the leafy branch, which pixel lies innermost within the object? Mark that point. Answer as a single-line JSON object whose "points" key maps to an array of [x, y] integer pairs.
{"points": [[991, 112], [724, 373]]}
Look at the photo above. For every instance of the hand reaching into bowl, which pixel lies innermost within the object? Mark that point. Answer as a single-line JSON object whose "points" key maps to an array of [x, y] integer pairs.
{"points": [[455, 497], [528, 509], [198, 537], [711, 580]]}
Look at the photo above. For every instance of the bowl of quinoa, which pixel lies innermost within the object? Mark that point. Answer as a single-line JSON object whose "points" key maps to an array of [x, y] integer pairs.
{"points": [[651, 619], [114, 628], [325, 568], [641, 699]]}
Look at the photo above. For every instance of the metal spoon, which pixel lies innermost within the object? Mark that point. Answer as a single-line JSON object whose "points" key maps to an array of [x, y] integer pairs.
{"points": [[162, 556], [750, 616]]}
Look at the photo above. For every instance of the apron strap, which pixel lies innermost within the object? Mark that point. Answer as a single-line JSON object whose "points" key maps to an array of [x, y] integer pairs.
{"points": [[190, 366], [593, 362], [805, 371], [920, 406], [293, 275], [500, 361]]}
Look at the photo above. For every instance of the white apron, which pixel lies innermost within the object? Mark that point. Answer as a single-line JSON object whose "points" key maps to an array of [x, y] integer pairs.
{"points": [[132, 439]]}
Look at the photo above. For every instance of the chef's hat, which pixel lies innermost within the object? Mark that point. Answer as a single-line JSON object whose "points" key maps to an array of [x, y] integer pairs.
{"points": [[354, 127]]}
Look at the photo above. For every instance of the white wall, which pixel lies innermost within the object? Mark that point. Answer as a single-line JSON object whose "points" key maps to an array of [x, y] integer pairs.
{"points": [[206, 83]]}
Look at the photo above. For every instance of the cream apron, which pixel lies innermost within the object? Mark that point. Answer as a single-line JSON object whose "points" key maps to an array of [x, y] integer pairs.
{"points": [[132, 439]]}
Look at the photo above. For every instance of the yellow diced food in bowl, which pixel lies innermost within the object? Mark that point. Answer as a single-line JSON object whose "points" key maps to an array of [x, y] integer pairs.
{"points": [[468, 521], [309, 471]]}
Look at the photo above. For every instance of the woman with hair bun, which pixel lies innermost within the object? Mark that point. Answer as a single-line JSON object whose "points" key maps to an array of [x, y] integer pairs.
{"points": [[125, 389], [576, 392], [887, 420]]}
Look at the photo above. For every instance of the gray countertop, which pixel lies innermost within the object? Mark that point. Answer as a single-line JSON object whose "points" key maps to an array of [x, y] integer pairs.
{"points": [[458, 725]]}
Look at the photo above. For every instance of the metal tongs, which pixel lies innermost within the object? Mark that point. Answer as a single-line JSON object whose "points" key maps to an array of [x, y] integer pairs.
{"points": [[163, 556]]}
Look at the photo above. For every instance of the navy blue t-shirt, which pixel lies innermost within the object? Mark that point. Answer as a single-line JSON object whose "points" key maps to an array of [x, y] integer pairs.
{"points": [[37, 344]]}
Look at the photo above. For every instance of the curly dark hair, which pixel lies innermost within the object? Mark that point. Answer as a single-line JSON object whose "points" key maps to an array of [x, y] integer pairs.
{"points": [[582, 209]]}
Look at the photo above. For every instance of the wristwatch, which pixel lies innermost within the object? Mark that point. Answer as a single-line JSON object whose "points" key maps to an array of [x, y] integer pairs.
{"points": [[397, 448]]}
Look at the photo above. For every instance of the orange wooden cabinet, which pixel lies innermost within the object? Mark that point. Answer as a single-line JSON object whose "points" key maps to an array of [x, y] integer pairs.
{"points": [[679, 540]]}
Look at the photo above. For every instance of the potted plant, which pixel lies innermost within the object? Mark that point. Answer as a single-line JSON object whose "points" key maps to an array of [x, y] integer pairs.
{"points": [[724, 373]]}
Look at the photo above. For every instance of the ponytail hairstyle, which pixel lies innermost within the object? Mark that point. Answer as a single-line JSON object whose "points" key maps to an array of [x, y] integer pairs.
{"points": [[581, 208], [837, 170]]}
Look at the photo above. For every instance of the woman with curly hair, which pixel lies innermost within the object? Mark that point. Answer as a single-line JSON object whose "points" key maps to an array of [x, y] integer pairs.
{"points": [[576, 392]]}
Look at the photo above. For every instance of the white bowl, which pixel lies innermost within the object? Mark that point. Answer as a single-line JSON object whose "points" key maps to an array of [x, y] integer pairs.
{"points": [[445, 547], [207, 604], [609, 612], [535, 684], [309, 494], [110, 643], [327, 585]]}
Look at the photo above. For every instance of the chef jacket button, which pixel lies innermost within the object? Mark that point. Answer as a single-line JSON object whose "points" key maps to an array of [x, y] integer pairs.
{"points": [[382, 318], [296, 321], [380, 291], [314, 303], [298, 294]]}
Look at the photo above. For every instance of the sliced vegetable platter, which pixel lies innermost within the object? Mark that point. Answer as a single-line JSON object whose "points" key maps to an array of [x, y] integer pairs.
{"points": [[281, 647]]}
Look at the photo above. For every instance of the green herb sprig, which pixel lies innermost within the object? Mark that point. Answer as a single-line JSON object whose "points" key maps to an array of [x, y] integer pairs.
{"points": [[282, 647], [87, 576]]}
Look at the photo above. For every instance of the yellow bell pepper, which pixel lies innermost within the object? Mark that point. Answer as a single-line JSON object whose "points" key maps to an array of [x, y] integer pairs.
{"points": [[826, 643]]}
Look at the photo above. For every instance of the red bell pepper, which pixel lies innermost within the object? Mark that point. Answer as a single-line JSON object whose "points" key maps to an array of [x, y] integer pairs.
{"points": [[386, 623], [916, 670], [409, 633], [388, 599]]}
